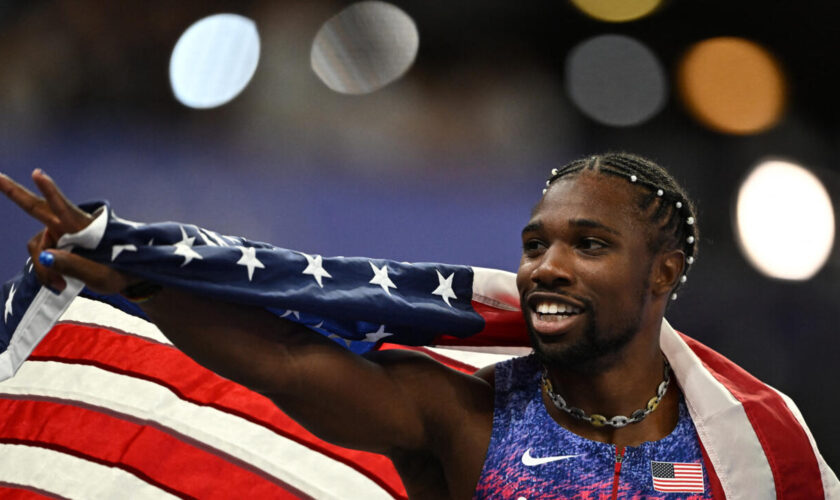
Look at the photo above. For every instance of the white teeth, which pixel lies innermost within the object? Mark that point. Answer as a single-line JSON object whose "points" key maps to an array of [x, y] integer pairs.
{"points": [[556, 308]]}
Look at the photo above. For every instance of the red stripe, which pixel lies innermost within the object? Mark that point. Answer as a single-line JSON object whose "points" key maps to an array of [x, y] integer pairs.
{"points": [[167, 366], [142, 450], [796, 472], [501, 328], [23, 492]]}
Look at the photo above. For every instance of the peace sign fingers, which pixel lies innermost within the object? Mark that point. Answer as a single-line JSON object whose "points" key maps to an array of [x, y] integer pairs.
{"points": [[58, 214], [69, 217], [28, 201]]}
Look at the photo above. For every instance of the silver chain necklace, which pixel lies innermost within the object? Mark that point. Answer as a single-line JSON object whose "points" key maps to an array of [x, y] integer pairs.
{"points": [[598, 420]]}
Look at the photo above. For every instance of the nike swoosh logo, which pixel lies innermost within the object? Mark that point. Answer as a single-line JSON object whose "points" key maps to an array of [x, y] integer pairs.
{"points": [[529, 461]]}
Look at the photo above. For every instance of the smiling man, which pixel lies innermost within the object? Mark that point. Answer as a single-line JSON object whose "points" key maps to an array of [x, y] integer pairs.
{"points": [[612, 403]]}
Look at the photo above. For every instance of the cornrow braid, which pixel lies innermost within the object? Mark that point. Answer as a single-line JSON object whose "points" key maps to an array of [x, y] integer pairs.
{"points": [[671, 210]]}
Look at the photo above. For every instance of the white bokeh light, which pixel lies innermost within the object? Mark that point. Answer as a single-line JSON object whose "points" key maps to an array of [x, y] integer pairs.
{"points": [[785, 221], [364, 47], [214, 60]]}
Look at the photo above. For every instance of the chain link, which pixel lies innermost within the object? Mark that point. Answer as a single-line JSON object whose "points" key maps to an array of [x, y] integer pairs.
{"points": [[598, 420]]}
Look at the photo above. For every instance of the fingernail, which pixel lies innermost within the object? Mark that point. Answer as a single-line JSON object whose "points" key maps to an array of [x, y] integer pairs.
{"points": [[46, 258]]}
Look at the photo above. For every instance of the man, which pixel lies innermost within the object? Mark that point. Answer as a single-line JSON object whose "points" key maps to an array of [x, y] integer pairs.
{"points": [[595, 412]]}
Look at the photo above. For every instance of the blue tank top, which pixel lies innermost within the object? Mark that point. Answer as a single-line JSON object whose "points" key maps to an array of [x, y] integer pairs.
{"points": [[531, 457]]}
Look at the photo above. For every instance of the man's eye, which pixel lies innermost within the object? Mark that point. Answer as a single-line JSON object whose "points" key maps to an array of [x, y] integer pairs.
{"points": [[592, 244], [532, 245]]}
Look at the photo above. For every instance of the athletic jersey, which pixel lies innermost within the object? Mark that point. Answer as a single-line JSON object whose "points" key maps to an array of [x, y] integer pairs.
{"points": [[531, 457]]}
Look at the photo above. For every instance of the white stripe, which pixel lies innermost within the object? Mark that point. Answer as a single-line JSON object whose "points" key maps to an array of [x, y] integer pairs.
{"points": [[831, 486], [70, 477], [90, 236], [294, 464], [39, 317], [721, 422], [495, 288], [476, 359], [94, 312]]}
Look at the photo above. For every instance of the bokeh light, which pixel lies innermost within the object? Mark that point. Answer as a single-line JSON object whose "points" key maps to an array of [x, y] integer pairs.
{"points": [[732, 85], [214, 60], [615, 80], [785, 221], [364, 47], [616, 11]]}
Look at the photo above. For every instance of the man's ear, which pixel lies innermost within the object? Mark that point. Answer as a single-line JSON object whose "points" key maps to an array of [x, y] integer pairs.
{"points": [[667, 270]]}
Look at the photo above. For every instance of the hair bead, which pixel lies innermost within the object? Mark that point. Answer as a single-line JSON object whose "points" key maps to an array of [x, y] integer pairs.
{"points": [[659, 192]]}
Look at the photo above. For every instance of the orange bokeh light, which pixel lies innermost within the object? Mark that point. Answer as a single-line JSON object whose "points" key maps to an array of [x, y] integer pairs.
{"points": [[732, 85]]}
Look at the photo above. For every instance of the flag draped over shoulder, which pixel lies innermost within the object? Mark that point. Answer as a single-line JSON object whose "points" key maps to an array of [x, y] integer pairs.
{"points": [[105, 405], [101, 402], [357, 301]]}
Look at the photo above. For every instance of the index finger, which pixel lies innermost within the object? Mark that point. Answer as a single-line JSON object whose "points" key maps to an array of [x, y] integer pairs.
{"points": [[30, 203]]}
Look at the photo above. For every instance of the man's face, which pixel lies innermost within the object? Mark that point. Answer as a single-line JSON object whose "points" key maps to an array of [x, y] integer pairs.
{"points": [[584, 276]]}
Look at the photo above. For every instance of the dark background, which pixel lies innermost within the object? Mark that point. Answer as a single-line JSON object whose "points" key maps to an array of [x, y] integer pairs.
{"points": [[442, 165]]}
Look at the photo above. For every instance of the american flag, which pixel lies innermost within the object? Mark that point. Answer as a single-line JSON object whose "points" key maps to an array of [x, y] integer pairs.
{"points": [[102, 407], [97, 402], [676, 477], [106, 407]]}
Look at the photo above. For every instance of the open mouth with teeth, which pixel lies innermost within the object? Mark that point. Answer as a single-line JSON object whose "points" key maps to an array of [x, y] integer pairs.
{"points": [[549, 310], [550, 316]]}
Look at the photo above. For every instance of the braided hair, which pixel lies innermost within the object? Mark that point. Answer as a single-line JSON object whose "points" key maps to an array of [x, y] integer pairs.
{"points": [[671, 210]]}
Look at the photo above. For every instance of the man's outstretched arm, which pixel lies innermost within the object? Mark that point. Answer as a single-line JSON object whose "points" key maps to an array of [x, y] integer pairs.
{"points": [[378, 404]]}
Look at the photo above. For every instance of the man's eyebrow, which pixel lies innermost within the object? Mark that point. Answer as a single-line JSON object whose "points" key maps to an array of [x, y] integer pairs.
{"points": [[594, 224], [531, 227]]}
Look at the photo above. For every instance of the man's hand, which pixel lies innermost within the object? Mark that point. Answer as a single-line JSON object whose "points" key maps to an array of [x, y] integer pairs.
{"points": [[59, 217]]}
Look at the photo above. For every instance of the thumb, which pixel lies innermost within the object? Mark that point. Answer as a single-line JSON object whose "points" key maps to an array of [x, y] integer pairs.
{"points": [[98, 277]]}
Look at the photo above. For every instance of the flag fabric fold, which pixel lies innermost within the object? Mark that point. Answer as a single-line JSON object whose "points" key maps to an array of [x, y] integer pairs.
{"points": [[356, 301]]}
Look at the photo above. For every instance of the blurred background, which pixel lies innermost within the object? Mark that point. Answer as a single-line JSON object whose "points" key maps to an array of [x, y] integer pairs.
{"points": [[424, 131]]}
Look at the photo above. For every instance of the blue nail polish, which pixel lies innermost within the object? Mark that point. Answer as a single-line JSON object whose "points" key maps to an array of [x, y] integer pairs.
{"points": [[46, 259]]}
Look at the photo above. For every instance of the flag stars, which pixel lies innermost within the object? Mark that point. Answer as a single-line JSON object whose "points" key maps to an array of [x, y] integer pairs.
{"points": [[249, 260], [377, 335], [184, 248], [131, 223], [340, 340], [380, 277], [9, 300], [291, 312], [116, 250], [444, 288], [315, 268]]}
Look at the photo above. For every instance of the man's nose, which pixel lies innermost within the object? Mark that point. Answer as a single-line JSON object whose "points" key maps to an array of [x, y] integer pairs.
{"points": [[555, 268]]}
